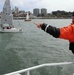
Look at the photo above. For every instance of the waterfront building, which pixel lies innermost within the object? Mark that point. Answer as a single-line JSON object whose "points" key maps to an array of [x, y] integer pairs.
{"points": [[43, 11], [16, 10], [36, 11]]}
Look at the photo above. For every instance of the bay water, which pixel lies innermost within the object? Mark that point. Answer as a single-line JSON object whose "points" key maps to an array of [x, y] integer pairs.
{"points": [[33, 47]]}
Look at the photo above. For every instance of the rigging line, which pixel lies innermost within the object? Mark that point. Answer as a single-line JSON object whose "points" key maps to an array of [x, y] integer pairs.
{"points": [[18, 21]]}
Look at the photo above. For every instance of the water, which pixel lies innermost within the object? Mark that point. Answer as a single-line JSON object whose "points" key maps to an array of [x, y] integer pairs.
{"points": [[33, 47]]}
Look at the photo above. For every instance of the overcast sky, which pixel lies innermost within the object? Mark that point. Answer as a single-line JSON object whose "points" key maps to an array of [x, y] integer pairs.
{"points": [[50, 5]]}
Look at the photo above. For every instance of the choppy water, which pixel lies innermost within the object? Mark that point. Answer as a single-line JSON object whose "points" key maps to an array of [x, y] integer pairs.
{"points": [[33, 47]]}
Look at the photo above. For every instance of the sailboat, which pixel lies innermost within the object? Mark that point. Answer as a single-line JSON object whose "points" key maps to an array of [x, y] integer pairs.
{"points": [[27, 17], [7, 19]]}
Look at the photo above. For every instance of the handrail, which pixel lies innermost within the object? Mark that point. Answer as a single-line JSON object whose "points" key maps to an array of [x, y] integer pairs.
{"points": [[36, 67]]}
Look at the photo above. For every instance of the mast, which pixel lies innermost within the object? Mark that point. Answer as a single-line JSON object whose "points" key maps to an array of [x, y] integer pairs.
{"points": [[7, 17]]}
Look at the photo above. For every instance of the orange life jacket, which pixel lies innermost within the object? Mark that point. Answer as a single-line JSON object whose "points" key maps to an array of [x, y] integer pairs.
{"points": [[67, 33]]}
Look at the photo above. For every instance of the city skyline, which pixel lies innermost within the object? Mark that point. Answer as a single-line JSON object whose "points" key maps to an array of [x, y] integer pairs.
{"points": [[29, 5]]}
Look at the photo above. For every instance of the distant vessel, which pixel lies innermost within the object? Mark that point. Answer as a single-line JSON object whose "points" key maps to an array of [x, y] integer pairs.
{"points": [[27, 17], [7, 19]]}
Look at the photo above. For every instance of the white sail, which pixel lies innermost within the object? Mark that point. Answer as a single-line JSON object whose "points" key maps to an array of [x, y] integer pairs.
{"points": [[7, 17], [27, 17]]}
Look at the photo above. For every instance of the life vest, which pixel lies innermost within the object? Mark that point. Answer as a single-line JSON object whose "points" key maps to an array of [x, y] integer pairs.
{"points": [[67, 33]]}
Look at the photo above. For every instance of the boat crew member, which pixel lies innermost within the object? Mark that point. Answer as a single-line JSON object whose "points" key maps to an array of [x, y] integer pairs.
{"points": [[66, 33]]}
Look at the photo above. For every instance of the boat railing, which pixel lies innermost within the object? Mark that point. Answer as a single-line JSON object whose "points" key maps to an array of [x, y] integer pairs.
{"points": [[27, 70]]}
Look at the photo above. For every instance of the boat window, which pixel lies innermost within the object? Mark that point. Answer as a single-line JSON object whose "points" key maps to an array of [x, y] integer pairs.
{"points": [[6, 13], [5, 20]]}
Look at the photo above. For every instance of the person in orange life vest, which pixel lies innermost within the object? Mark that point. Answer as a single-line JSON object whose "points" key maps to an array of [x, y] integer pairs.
{"points": [[66, 33]]}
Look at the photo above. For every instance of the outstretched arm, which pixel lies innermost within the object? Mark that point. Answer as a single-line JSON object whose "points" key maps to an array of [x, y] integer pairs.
{"points": [[64, 33], [55, 32]]}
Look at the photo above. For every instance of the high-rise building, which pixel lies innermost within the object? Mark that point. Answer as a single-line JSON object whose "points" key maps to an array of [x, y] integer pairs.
{"points": [[16, 9], [36, 11], [43, 11]]}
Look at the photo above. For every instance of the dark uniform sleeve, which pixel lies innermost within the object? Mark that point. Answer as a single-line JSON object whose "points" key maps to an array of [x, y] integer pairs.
{"points": [[55, 32], [71, 47]]}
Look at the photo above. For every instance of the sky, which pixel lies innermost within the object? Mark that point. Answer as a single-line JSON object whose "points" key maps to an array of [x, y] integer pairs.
{"points": [[50, 5]]}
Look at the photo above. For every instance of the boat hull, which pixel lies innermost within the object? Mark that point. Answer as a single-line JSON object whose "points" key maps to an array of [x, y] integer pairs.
{"points": [[28, 20], [10, 30]]}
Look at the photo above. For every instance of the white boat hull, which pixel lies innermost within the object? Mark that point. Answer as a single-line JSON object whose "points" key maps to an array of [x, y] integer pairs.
{"points": [[28, 20], [11, 30]]}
